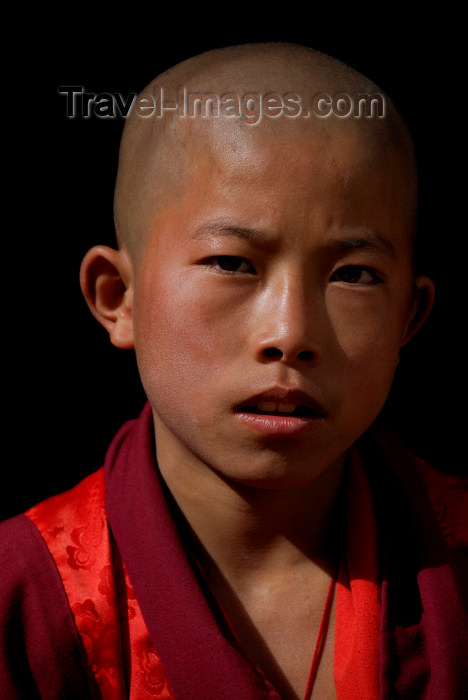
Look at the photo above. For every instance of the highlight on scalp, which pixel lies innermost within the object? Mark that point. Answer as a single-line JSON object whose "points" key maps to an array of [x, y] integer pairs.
{"points": [[156, 152]]}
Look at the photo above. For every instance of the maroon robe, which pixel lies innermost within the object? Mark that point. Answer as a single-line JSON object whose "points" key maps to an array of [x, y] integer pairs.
{"points": [[421, 574]]}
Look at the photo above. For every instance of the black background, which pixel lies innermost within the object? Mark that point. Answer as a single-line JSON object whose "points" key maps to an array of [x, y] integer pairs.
{"points": [[66, 389]]}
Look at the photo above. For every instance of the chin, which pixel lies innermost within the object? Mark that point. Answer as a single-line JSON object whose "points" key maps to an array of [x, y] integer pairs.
{"points": [[272, 477]]}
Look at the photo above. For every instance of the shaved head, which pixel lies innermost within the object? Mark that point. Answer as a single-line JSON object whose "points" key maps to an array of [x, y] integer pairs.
{"points": [[266, 91]]}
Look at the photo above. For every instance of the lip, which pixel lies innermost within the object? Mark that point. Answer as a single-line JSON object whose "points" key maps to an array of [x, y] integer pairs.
{"points": [[276, 424]]}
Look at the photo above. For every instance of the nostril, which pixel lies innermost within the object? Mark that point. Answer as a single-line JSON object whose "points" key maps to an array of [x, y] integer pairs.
{"points": [[306, 355], [273, 352]]}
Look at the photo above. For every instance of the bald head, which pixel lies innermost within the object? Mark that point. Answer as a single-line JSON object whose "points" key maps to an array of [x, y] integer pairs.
{"points": [[236, 98]]}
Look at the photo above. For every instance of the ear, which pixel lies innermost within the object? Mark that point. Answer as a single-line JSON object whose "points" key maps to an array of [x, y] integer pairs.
{"points": [[422, 301], [106, 279]]}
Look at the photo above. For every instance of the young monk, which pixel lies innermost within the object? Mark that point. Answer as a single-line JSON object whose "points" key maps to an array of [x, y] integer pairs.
{"points": [[255, 533]]}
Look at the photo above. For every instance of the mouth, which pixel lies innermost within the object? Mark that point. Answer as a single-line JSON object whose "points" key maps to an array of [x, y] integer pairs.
{"points": [[280, 411], [274, 408]]}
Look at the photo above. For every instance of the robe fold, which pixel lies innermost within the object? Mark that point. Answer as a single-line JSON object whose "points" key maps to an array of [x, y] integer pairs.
{"points": [[99, 599]]}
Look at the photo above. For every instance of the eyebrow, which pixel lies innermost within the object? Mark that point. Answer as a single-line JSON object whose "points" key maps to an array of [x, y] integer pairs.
{"points": [[223, 229], [369, 240]]}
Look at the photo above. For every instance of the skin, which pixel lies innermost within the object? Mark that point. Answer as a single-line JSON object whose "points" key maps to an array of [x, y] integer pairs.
{"points": [[282, 258]]}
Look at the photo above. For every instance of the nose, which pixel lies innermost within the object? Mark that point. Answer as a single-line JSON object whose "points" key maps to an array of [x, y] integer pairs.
{"points": [[287, 325]]}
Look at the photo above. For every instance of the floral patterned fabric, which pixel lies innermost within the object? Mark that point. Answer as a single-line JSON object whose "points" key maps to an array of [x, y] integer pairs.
{"points": [[118, 647]]}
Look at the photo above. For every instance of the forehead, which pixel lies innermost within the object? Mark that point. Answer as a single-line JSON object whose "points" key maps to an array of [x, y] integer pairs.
{"points": [[307, 156], [281, 181]]}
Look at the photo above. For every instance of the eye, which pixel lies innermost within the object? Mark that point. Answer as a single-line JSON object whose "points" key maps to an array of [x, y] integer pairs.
{"points": [[230, 263], [356, 274]]}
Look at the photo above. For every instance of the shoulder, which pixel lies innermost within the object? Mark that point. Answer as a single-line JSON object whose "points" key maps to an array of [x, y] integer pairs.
{"points": [[41, 653], [445, 494], [24, 563], [449, 498], [79, 502], [27, 571]]}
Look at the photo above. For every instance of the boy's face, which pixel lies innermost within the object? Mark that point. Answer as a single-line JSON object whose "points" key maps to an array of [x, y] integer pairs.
{"points": [[280, 279]]}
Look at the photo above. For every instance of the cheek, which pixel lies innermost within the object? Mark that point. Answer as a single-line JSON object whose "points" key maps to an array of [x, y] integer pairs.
{"points": [[369, 337], [367, 343], [180, 333]]}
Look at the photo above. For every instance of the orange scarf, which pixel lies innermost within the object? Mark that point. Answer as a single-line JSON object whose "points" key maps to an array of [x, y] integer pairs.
{"points": [[357, 626]]}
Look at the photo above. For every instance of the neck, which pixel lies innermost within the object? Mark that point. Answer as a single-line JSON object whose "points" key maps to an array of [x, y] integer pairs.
{"points": [[248, 532]]}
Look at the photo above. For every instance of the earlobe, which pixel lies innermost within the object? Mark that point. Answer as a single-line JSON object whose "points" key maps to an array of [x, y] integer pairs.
{"points": [[422, 302], [106, 279]]}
